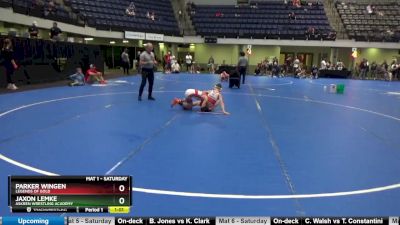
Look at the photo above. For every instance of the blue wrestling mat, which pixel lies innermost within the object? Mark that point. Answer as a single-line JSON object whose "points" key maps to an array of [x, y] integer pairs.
{"points": [[288, 148]]}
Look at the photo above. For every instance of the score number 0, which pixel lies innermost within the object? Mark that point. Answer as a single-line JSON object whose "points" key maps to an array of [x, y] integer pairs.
{"points": [[121, 200]]}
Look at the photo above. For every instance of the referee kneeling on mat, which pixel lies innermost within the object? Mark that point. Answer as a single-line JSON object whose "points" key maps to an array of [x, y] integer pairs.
{"points": [[147, 63]]}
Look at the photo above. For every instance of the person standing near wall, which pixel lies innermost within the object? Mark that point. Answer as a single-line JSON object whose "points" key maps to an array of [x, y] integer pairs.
{"points": [[323, 64], [296, 64], [167, 62], [147, 64], [242, 66], [211, 67], [125, 61], [7, 53], [189, 62], [363, 69], [55, 32], [33, 30]]}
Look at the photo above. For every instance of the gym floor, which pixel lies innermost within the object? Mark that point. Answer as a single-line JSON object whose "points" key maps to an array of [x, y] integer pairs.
{"points": [[288, 148]]}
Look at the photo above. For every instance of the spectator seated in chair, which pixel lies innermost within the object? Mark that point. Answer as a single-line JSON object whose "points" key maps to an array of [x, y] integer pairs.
{"points": [[370, 9], [153, 16], [339, 65], [130, 11], [50, 8], [297, 3], [175, 67], [300, 73], [331, 35], [292, 16]]}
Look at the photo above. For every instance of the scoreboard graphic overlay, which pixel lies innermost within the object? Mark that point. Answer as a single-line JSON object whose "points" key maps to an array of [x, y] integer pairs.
{"points": [[89, 194], [112, 194]]}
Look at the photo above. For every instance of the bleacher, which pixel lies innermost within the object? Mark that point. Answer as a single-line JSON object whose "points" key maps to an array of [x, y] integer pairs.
{"points": [[107, 14], [110, 15], [261, 20], [381, 25], [28, 7]]}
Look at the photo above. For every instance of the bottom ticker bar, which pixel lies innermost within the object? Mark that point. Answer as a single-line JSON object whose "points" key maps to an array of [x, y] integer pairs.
{"points": [[192, 220], [257, 221]]}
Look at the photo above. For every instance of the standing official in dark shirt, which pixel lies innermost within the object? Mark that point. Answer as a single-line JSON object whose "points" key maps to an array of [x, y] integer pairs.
{"points": [[55, 32], [363, 69], [33, 30], [147, 63], [242, 66], [9, 63], [126, 63]]}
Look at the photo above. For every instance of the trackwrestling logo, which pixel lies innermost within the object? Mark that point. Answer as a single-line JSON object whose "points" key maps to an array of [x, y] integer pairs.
{"points": [[39, 221]]}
